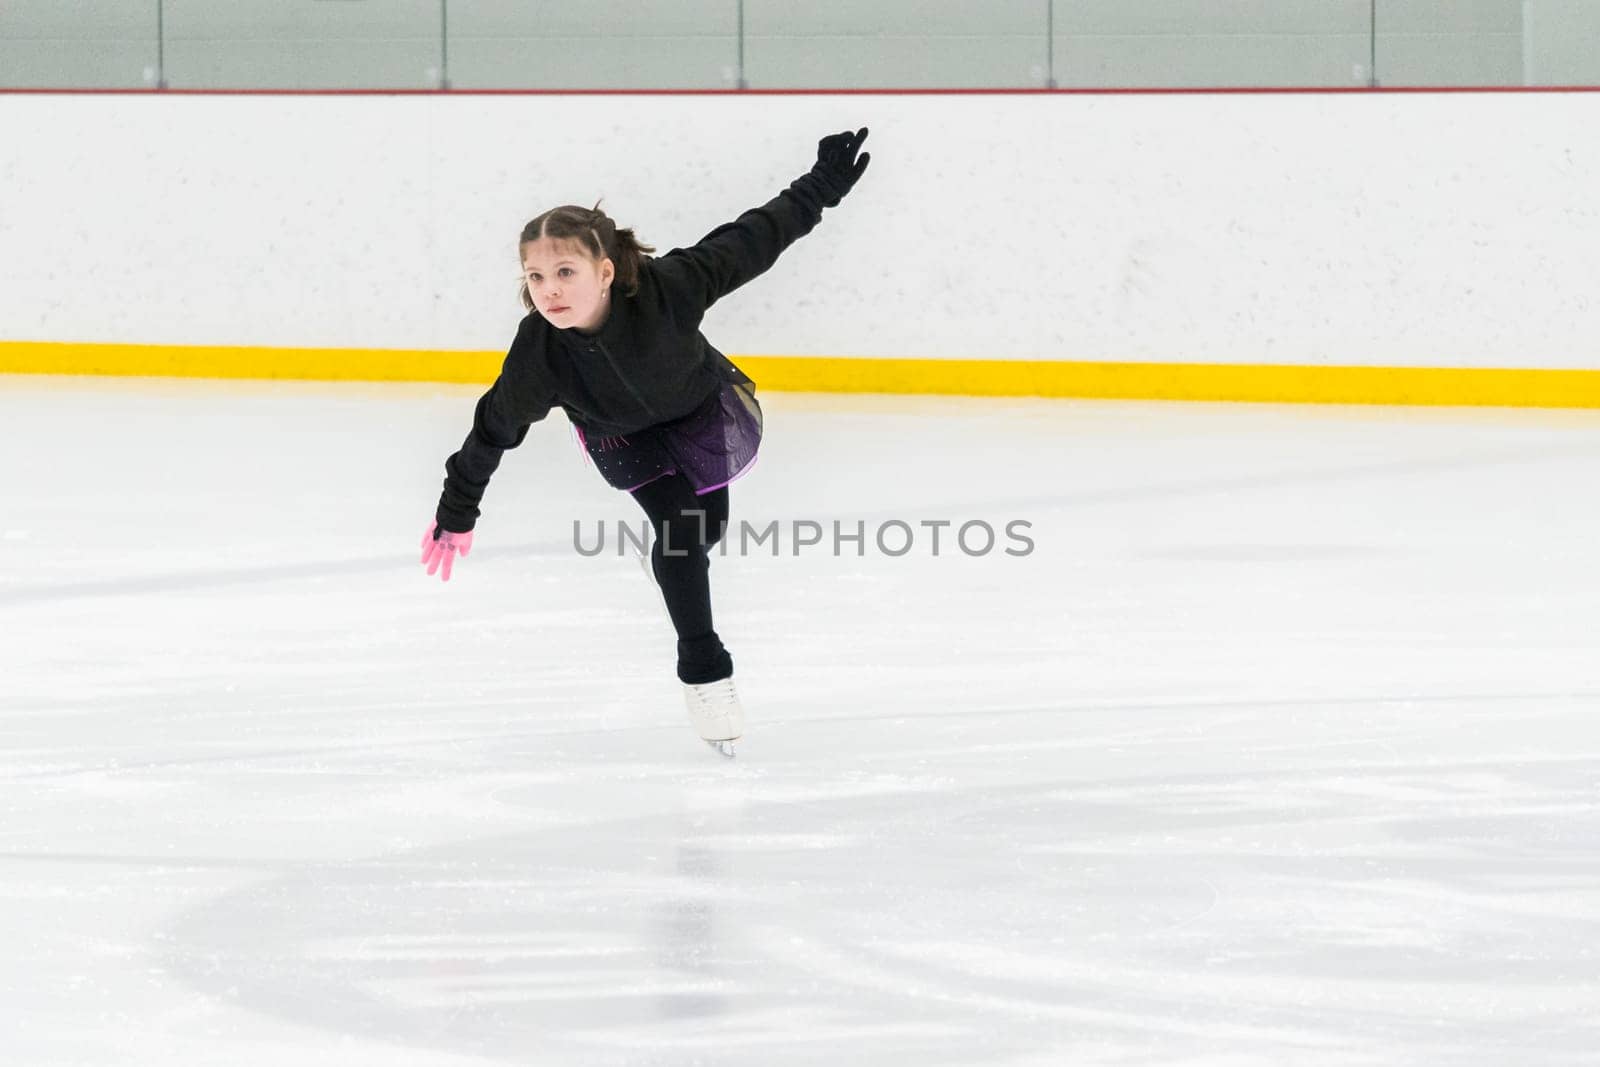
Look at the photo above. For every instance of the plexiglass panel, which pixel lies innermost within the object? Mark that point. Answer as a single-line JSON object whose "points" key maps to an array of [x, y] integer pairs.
{"points": [[79, 44], [602, 44], [1450, 42], [1204, 43], [822, 44], [908, 44], [1561, 42], [303, 44]]}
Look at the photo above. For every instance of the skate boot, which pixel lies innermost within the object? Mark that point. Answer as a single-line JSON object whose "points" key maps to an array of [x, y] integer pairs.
{"points": [[716, 713]]}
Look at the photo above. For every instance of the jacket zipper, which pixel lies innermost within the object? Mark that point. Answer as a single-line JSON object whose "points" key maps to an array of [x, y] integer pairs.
{"points": [[626, 384]]}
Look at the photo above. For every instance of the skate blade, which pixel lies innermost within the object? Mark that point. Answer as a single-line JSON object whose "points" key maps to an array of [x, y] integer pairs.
{"points": [[724, 748]]}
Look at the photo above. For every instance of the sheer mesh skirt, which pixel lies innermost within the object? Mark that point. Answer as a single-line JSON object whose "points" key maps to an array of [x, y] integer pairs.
{"points": [[711, 446]]}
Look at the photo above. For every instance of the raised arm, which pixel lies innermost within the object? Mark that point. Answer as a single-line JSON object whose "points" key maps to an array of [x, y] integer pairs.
{"points": [[738, 251]]}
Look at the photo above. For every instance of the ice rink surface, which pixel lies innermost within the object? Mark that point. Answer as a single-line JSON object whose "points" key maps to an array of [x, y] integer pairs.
{"points": [[1282, 746]]}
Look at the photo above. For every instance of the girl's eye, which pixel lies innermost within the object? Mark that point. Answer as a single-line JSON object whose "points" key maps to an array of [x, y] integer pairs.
{"points": [[566, 270]]}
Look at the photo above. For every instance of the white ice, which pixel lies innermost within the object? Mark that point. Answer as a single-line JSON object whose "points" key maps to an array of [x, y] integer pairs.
{"points": [[1281, 747]]}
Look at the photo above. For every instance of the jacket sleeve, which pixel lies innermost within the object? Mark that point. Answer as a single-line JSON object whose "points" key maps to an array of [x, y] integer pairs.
{"points": [[738, 251], [518, 399]]}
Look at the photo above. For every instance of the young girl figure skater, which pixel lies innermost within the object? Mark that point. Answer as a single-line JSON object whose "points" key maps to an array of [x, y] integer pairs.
{"points": [[613, 338]]}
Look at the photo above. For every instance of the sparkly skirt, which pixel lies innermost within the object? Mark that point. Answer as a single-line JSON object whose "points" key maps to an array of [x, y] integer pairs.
{"points": [[711, 446]]}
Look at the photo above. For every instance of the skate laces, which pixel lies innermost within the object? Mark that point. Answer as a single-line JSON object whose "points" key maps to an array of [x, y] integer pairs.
{"points": [[715, 711], [713, 696]]}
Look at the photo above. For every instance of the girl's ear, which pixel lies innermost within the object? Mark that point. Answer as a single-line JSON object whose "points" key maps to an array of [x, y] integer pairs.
{"points": [[608, 271]]}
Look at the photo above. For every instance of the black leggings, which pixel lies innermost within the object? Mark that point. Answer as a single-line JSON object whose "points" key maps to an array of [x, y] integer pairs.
{"points": [[686, 526]]}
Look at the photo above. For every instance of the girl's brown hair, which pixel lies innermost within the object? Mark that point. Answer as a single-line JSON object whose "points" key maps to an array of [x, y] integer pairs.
{"points": [[593, 231]]}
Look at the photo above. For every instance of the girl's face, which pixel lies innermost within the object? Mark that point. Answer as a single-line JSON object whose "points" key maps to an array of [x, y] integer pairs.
{"points": [[569, 287]]}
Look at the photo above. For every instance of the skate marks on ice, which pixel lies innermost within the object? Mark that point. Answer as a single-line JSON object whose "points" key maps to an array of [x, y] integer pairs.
{"points": [[1154, 886], [198, 580]]}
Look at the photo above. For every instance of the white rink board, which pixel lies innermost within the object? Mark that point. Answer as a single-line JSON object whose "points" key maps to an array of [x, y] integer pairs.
{"points": [[1393, 230]]}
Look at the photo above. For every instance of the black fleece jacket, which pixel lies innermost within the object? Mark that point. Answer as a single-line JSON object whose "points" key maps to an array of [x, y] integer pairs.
{"points": [[648, 364]]}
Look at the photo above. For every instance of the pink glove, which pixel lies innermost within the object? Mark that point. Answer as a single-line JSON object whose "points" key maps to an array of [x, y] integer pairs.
{"points": [[443, 549]]}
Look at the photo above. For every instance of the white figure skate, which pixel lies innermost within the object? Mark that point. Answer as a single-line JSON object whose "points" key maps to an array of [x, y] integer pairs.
{"points": [[716, 713], [714, 707]]}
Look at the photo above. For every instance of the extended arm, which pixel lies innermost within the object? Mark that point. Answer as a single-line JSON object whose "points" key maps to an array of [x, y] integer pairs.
{"points": [[499, 422], [738, 251], [515, 402]]}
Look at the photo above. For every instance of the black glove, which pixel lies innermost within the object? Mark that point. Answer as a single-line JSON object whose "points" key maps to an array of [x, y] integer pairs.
{"points": [[837, 168]]}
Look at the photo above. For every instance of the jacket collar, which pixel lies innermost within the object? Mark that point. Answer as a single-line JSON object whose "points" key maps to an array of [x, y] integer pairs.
{"points": [[614, 328]]}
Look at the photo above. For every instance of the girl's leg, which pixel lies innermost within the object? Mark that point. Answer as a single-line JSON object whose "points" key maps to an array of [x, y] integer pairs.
{"points": [[686, 526]]}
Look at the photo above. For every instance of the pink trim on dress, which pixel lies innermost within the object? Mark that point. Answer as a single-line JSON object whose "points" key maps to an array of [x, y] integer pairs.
{"points": [[647, 481], [740, 473]]}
